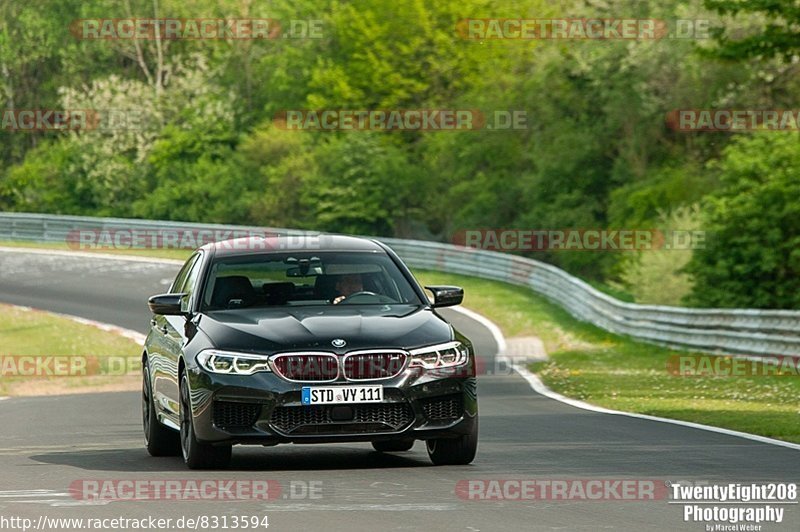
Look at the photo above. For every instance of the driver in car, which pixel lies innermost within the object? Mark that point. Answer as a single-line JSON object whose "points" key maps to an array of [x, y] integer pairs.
{"points": [[348, 285]]}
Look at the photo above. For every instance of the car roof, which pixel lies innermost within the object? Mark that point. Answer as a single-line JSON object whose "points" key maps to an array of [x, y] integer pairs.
{"points": [[252, 245]]}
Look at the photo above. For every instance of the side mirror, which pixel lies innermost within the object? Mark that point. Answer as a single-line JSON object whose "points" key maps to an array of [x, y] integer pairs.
{"points": [[167, 304], [446, 296]]}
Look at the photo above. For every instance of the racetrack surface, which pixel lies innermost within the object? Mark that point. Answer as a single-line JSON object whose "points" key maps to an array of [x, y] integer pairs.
{"points": [[48, 443]]}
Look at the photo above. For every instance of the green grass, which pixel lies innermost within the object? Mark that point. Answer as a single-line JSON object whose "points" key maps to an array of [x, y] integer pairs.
{"points": [[40, 334], [598, 367], [517, 311], [614, 291], [616, 372]]}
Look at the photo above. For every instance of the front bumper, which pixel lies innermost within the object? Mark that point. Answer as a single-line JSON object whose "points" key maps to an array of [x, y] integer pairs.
{"points": [[264, 409]]}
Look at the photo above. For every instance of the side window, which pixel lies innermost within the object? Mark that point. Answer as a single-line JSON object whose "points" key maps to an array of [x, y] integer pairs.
{"points": [[180, 280], [190, 283]]}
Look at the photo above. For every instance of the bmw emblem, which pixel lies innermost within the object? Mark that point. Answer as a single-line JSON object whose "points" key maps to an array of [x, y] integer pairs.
{"points": [[338, 342]]}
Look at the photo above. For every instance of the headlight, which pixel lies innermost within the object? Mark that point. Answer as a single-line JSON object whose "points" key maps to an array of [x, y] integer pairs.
{"points": [[229, 362], [439, 356]]}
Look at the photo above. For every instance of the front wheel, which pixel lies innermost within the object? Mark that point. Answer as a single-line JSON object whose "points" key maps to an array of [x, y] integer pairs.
{"points": [[454, 451], [198, 455], [159, 440]]}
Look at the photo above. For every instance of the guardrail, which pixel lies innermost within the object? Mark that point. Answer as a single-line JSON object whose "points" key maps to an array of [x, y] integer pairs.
{"points": [[741, 331]]}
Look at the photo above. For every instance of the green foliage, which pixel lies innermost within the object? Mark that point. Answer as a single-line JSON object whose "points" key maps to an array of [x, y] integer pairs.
{"points": [[48, 182], [657, 276], [596, 152], [278, 164], [640, 203], [752, 258], [193, 178], [392, 55], [363, 185], [770, 28]]}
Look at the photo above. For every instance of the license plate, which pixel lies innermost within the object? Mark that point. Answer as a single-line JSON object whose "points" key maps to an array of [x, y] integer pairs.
{"points": [[331, 395]]}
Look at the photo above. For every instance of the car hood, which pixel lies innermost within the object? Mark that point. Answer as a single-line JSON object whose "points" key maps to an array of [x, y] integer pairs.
{"points": [[271, 330]]}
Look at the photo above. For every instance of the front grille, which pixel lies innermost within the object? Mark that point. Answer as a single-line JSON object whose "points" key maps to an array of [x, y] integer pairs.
{"points": [[443, 408], [307, 367], [363, 366], [231, 416], [370, 417]]}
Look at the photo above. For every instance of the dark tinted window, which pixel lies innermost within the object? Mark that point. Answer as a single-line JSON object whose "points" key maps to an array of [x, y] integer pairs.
{"points": [[306, 278], [180, 279], [190, 283]]}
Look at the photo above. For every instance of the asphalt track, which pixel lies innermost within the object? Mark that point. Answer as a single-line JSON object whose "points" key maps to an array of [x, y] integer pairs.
{"points": [[48, 443]]}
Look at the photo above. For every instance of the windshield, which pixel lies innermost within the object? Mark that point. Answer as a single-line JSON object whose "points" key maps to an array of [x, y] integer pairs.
{"points": [[300, 279]]}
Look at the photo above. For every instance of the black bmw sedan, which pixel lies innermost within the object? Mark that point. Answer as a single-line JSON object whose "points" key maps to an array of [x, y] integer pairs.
{"points": [[305, 340]]}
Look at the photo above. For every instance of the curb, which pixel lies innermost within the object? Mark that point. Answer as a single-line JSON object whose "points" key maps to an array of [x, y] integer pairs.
{"points": [[539, 387]]}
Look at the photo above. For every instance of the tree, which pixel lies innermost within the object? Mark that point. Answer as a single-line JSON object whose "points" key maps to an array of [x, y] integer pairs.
{"points": [[277, 165], [772, 32], [657, 276], [364, 185], [752, 258]]}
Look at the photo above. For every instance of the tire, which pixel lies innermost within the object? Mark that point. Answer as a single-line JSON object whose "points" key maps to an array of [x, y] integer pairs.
{"points": [[198, 455], [158, 439], [454, 451], [393, 446]]}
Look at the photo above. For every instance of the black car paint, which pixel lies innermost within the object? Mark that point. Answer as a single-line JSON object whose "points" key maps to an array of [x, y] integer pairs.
{"points": [[175, 340]]}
